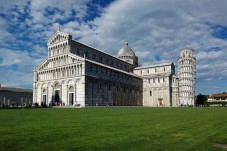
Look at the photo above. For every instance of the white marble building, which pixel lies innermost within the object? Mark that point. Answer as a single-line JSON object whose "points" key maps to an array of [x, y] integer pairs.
{"points": [[187, 76], [159, 84], [77, 74]]}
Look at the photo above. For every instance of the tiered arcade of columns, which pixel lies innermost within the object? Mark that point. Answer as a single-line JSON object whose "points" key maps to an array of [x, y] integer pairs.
{"points": [[186, 74]]}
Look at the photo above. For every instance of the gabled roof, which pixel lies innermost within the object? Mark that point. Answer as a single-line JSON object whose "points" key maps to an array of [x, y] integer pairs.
{"points": [[41, 64], [65, 35], [69, 54]]}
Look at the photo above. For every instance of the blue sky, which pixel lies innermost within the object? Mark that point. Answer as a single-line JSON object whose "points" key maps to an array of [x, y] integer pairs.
{"points": [[155, 29]]}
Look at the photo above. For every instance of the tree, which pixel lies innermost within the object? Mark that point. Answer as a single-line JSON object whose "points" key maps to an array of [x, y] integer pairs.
{"points": [[201, 99]]}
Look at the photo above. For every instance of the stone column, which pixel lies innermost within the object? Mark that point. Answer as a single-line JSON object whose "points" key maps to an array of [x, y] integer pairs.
{"points": [[61, 94], [75, 93], [53, 95], [67, 95]]}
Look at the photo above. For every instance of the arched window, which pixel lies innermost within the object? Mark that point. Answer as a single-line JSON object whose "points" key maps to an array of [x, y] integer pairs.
{"points": [[71, 95], [71, 89]]}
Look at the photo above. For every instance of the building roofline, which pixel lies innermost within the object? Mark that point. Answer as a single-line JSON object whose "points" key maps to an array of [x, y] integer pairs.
{"points": [[100, 51], [35, 69], [122, 71], [15, 89], [156, 65], [218, 95], [56, 34], [187, 48]]}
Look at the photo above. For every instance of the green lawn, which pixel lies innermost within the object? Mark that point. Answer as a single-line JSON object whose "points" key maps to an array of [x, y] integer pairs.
{"points": [[116, 129]]}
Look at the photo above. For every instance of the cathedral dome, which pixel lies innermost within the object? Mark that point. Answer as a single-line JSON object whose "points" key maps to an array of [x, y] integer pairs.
{"points": [[126, 51]]}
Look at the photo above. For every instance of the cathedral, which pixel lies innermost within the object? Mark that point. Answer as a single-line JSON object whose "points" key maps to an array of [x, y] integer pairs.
{"points": [[75, 74]]}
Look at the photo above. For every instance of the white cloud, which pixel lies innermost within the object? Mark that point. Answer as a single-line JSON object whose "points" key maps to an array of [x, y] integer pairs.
{"points": [[5, 6], [20, 75], [11, 57], [208, 55], [39, 10], [5, 35]]}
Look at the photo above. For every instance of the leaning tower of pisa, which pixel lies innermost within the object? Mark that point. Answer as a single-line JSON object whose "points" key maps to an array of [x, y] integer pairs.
{"points": [[187, 76]]}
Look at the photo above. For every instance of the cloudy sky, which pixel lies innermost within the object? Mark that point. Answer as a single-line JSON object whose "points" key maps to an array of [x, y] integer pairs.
{"points": [[155, 29]]}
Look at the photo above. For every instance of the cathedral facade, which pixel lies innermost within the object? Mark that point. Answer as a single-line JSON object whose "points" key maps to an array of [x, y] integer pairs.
{"points": [[75, 74]]}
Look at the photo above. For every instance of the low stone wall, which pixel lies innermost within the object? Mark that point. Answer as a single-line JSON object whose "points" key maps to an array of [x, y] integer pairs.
{"points": [[15, 99]]}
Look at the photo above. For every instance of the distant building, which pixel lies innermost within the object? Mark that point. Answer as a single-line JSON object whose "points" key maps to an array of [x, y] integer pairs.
{"points": [[15, 96], [219, 97], [77, 74]]}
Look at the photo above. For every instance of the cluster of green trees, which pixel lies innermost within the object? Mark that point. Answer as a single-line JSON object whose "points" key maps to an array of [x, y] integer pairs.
{"points": [[201, 99]]}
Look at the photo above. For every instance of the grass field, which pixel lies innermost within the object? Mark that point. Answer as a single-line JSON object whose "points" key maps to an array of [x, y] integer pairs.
{"points": [[115, 129]]}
